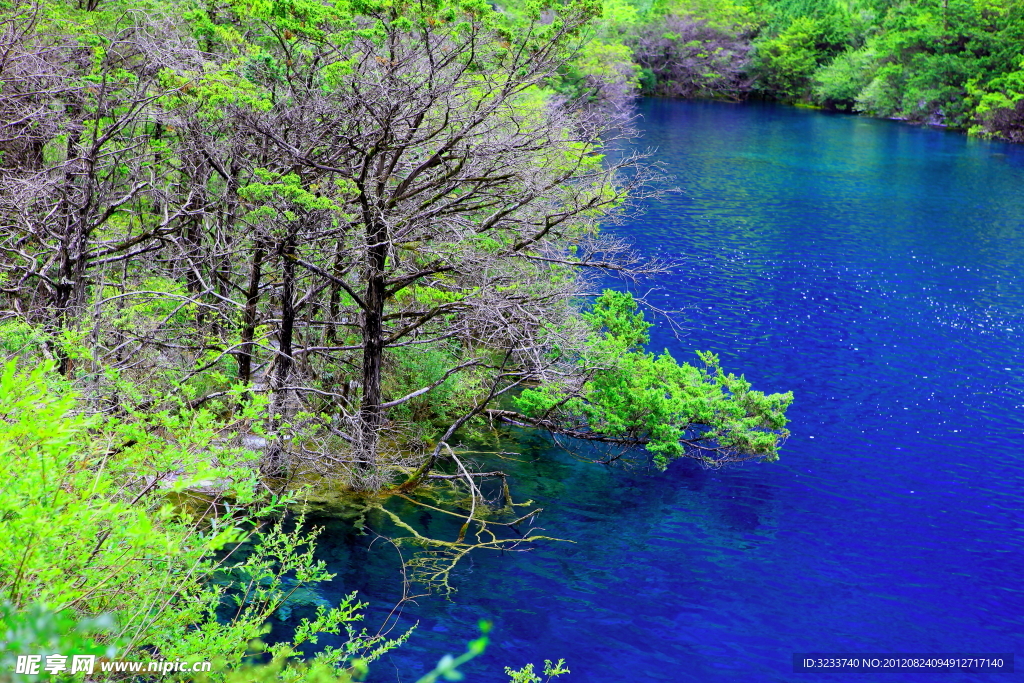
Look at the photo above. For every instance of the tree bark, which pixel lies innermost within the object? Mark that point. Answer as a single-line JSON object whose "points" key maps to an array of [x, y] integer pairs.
{"points": [[283, 366], [371, 415], [252, 299]]}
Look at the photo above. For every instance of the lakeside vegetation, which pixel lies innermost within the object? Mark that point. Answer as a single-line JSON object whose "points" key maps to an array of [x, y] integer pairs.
{"points": [[956, 63], [249, 250]]}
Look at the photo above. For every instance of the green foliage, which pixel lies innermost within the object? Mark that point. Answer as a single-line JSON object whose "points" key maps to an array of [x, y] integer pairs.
{"points": [[673, 409], [938, 61], [942, 61], [786, 62], [921, 59], [38, 629], [1000, 106], [430, 413], [615, 313], [94, 545], [840, 83], [730, 15], [51, 485], [18, 337], [609, 63], [526, 674]]}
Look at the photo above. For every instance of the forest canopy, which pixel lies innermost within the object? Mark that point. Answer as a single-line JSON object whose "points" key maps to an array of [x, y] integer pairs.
{"points": [[382, 217], [955, 63]]}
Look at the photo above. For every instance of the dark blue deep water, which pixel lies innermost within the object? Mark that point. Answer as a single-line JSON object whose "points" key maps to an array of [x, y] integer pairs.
{"points": [[877, 270]]}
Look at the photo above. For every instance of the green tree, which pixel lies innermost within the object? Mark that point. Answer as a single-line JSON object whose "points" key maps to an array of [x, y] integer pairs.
{"points": [[785, 63], [626, 397], [841, 82]]}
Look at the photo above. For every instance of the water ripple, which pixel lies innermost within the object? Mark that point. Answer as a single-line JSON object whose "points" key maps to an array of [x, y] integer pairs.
{"points": [[877, 270]]}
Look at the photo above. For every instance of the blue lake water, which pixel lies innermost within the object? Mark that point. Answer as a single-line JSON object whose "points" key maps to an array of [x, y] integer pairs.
{"points": [[877, 270]]}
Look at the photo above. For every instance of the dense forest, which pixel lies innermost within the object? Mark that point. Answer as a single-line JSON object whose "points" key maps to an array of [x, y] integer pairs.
{"points": [[956, 63], [255, 250]]}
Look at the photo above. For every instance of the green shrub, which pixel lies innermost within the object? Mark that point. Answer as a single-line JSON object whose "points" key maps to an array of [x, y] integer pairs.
{"points": [[92, 535], [785, 63], [839, 84]]}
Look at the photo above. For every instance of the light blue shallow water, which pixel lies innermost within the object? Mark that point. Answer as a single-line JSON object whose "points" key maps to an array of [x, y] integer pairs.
{"points": [[877, 270]]}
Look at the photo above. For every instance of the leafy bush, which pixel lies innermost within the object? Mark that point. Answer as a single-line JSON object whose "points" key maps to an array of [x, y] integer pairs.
{"points": [[785, 63], [37, 629], [672, 409], [99, 562], [999, 111], [839, 84], [526, 674], [92, 536]]}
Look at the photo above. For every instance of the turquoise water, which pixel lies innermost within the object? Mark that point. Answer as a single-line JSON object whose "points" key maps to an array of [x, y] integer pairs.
{"points": [[877, 270]]}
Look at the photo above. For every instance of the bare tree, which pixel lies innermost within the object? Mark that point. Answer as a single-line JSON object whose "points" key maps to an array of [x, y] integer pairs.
{"points": [[78, 190], [385, 222], [690, 58], [430, 196]]}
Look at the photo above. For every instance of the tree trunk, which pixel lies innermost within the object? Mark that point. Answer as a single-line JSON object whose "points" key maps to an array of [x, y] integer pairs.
{"points": [[70, 287], [335, 297], [283, 366], [277, 461], [252, 299], [371, 416]]}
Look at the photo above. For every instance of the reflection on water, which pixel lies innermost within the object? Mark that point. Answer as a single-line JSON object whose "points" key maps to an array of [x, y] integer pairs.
{"points": [[876, 270]]}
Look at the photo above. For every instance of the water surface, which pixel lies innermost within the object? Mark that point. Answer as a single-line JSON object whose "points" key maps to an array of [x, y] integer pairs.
{"points": [[875, 269]]}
